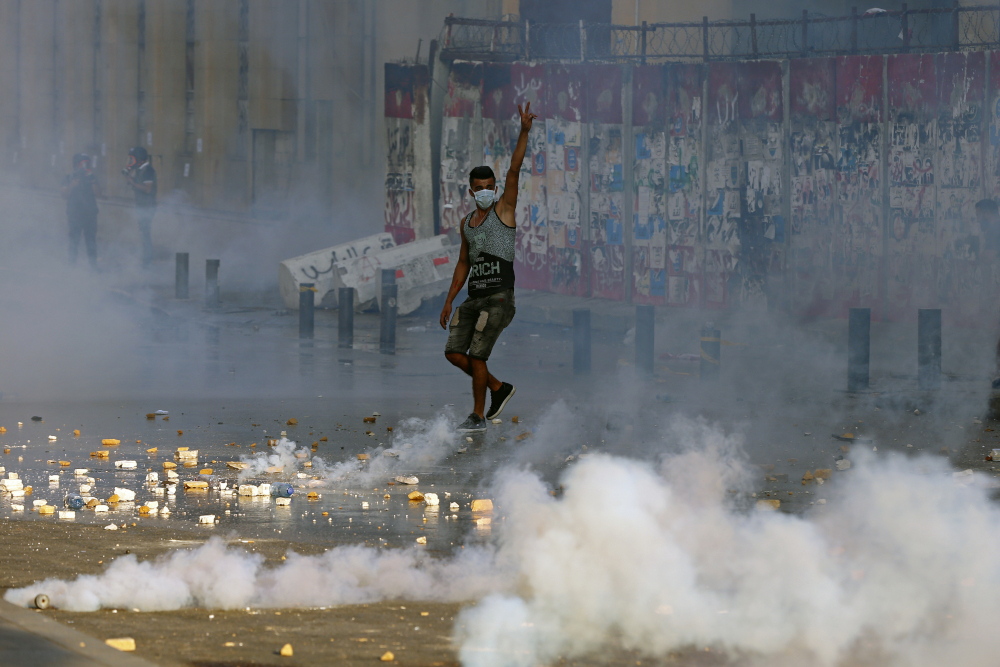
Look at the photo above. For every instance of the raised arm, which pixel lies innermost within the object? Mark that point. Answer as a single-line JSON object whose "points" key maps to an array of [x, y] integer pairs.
{"points": [[508, 202]]}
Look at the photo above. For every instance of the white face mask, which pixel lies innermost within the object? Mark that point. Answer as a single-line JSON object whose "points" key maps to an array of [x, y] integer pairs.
{"points": [[485, 198]]}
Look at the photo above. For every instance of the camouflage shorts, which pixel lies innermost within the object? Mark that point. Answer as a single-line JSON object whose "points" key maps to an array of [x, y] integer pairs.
{"points": [[477, 324]]}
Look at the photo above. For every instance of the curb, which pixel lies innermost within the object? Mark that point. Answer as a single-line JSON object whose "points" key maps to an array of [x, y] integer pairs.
{"points": [[68, 638]]}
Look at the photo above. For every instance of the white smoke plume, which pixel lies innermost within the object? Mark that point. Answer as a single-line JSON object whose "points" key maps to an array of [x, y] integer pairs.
{"points": [[217, 577], [897, 569], [282, 455], [901, 568]]}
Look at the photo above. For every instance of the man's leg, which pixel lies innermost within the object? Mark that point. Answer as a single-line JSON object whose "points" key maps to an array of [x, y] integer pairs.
{"points": [[74, 238], [480, 374], [144, 216], [90, 239], [462, 362]]}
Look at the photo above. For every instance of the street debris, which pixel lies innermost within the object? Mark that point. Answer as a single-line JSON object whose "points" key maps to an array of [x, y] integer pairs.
{"points": [[387, 657], [421, 540], [121, 643], [286, 651], [843, 464], [415, 496], [823, 473], [768, 504], [404, 479], [482, 505], [431, 499]]}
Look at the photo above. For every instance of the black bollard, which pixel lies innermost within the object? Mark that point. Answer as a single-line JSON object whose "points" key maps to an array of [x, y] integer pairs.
{"points": [[306, 306], [711, 352], [581, 341], [644, 339], [181, 276], [387, 312], [929, 348], [345, 317], [859, 328], [211, 283]]}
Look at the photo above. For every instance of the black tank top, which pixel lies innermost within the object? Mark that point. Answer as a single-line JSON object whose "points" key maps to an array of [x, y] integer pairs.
{"points": [[491, 255]]}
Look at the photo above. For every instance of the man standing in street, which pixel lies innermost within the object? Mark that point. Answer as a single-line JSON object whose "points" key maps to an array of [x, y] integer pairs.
{"points": [[141, 178], [487, 260], [80, 191]]}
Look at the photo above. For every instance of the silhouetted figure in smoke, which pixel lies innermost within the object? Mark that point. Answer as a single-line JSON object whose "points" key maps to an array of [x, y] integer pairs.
{"points": [[80, 191], [988, 215], [487, 260], [142, 178]]}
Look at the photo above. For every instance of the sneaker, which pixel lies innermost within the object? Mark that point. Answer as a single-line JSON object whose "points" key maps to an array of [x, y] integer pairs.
{"points": [[500, 398], [472, 424]]}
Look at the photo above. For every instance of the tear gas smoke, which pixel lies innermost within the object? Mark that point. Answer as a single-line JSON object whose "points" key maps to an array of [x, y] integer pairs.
{"points": [[655, 558]]}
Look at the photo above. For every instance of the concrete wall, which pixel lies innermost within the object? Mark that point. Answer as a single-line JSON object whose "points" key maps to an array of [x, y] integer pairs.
{"points": [[255, 111]]}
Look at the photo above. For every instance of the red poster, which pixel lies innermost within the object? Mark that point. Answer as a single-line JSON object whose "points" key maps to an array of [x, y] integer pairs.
{"points": [[464, 89], [759, 87], [859, 88], [812, 83], [648, 95], [498, 94], [564, 88], [912, 82], [604, 93]]}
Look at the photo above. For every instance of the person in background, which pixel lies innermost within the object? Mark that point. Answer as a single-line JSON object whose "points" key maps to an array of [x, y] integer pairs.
{"points": [[80, 191], [988, 215], [141, 178]]}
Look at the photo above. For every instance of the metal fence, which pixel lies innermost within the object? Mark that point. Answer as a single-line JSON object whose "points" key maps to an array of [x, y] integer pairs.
{"points": [[875, 31]]}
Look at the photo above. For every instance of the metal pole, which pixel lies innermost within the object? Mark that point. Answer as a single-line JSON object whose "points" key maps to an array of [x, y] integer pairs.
{"points": [[527, 40], [854, 30], [858, 348], [704, 36], [954, 25], [711, 352], [644, 339], [307, 304], [581, 341], [181, 276], [211, 283], [583, 42], [753, 34], [805, 32], [905, 19], [387, 313], [929, 348], [643, 60], [345, 317]]}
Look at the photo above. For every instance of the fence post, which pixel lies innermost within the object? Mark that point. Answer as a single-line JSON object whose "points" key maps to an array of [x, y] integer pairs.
{"points": [[387, 313], [493, 40], [307, 304], [704, 36], [753, 34], [583, 42], [581, 341], [805, 32], [643, 59], [644, 330], [211, 283], [345, 317], [447, 33], [929, 348], [858, 348], [527, 40], [854, 30], [181, 276], [954, 25], [905, 19]]}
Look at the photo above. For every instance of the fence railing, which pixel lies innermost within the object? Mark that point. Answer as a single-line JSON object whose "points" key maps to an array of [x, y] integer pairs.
{"points": [[874, 31]]}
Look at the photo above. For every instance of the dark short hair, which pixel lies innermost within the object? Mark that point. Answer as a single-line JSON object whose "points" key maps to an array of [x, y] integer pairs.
{"points": [[986, 206], [481, 173]]}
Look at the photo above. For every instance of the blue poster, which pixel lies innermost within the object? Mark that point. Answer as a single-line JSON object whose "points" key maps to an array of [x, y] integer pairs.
{"points": [[614, 231], [642, 151], [616, 178], [657, 282], [538, 164], [571, 158], [643, 228]]}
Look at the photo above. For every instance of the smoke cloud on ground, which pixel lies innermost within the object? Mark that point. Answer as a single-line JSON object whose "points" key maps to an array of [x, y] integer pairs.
{"points": [[896, 567]]}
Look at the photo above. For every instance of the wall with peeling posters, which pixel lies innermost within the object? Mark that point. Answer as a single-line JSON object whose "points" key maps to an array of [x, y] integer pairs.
{"points": [[813, 185], [409, 197]]}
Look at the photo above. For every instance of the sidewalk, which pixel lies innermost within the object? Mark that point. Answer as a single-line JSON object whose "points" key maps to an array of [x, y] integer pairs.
{"points": [[29, 638]]}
